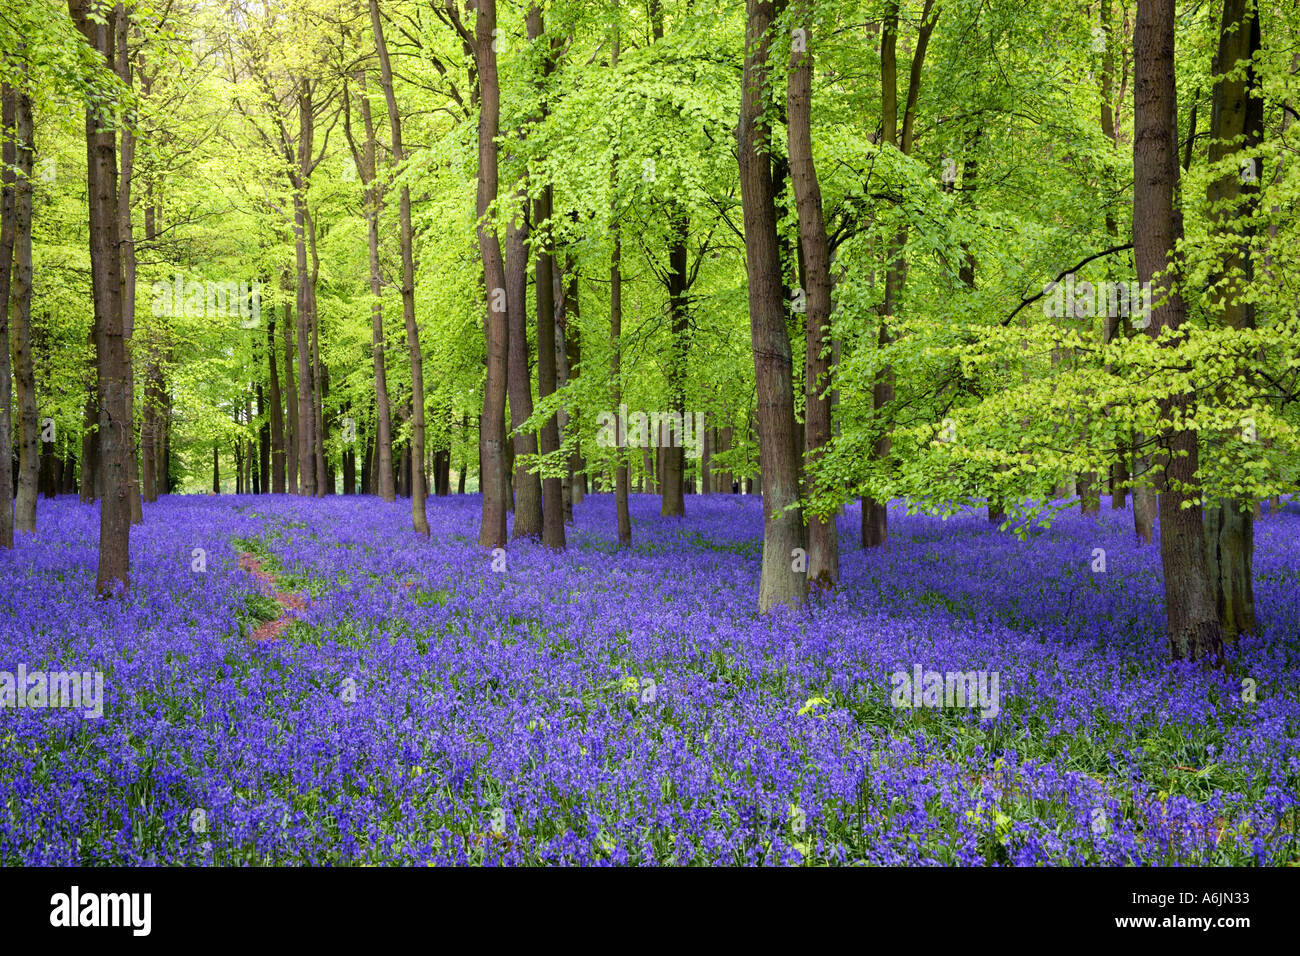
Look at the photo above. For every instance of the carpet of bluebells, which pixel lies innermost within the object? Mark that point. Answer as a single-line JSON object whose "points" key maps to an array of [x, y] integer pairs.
{"points": [[606, 707]]}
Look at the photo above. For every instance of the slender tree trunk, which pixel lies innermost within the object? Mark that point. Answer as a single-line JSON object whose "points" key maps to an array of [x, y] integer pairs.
{"points": [[127, 235], [306, 424], [90, 445], [419, 520], [1237, 122], [151, 422], [549, 435], [1193, 623], [320, 374], [782, 581], [277, 416], [291, 398], [263, 443], [623, 514], [8, 105], [552, 487], [671, 450], [570, 344], [20, 306], [367, 169]]}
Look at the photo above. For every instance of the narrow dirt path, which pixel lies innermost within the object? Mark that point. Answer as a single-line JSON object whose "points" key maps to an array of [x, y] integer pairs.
{"points": [[287, 600]]}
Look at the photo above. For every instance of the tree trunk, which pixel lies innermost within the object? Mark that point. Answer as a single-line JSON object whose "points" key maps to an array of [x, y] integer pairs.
{"points": [[671, 450], [277, 416], [418, 517], [7, 230], [110, 346], [492, 480], [291, 398], [527, 485], [90, 447], [1193, 624], [126, 232], [782, 580], [623, 515], [1236, 122], [324, 466], [263, 444], [151, 426], [367, 170], [552, 487], [823, 543], [306, 424], [20, 306]]}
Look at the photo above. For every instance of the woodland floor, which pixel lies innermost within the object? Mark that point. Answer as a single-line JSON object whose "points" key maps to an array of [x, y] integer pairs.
{"points": [[326, 687]]}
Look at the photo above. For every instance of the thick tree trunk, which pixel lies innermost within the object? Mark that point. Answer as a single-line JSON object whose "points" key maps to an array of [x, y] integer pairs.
{"points": [[823, 543], [110, 345], [783, 581], [1089, 493], [527, 485], [492, 481], [1193, 624]]}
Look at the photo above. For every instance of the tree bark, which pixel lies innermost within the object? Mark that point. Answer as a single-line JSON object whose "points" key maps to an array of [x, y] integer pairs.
{"points": [[783, 534], [492, 481], [110, 345], [291, 397], [367, 170], [1193, 624], [1236, 122], [320, 375], [7, 230], [672, 501], [277, 415], [306, 423], [527, 485], [823, 543], [127, 236], [20, 306], [418, 517]]}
